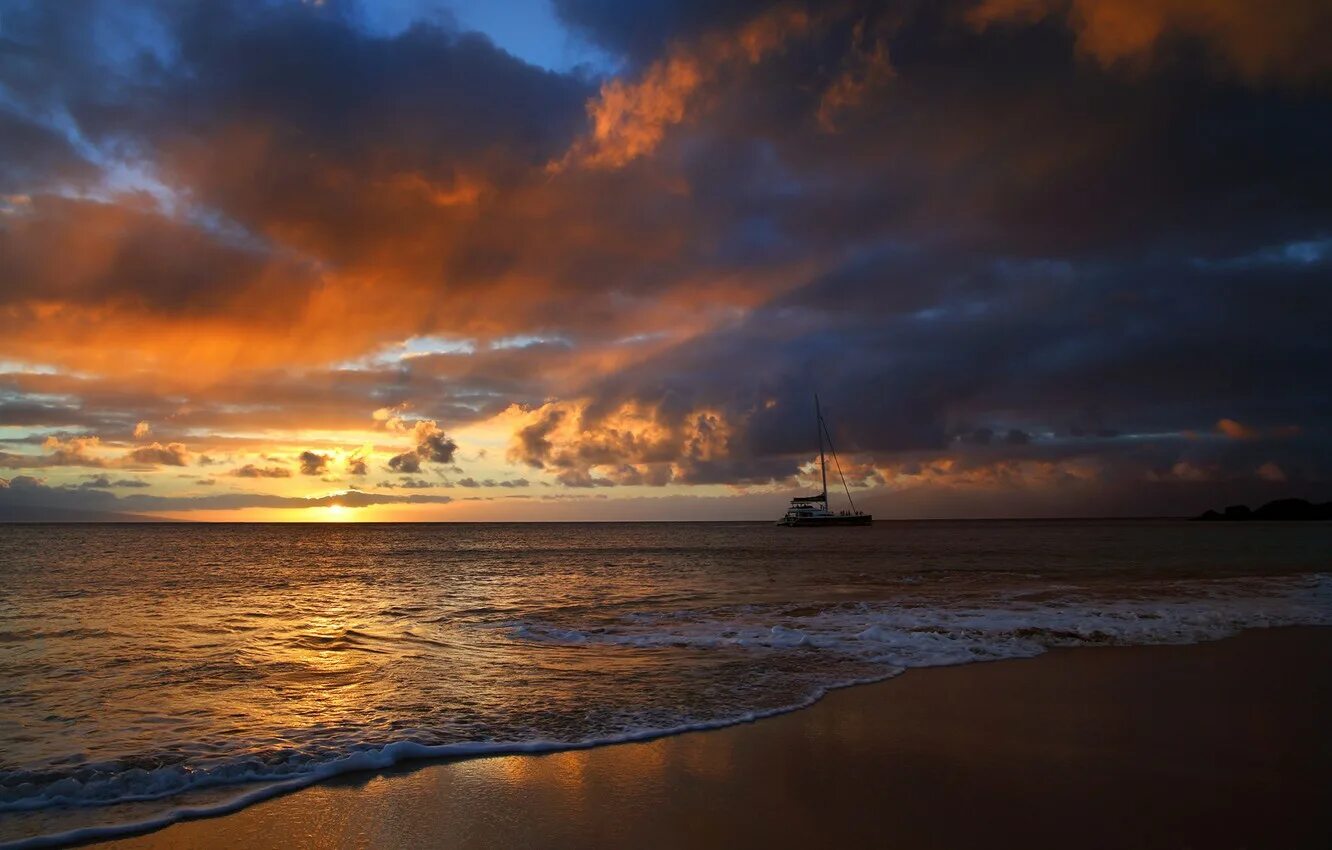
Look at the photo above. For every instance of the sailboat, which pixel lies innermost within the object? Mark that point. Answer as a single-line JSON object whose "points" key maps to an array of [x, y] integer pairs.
{"points": [[807, 511]]}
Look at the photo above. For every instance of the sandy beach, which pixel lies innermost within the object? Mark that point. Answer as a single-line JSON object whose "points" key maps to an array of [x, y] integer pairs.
{"points": [[1221, 744]]}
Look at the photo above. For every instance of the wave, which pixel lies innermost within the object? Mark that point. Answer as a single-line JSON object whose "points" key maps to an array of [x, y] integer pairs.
{"points": [[882, 638], [925, 636], [386, 757]]}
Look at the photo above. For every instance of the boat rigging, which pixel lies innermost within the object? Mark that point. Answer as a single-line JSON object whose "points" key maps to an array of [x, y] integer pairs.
{"points": [[808, 511]]}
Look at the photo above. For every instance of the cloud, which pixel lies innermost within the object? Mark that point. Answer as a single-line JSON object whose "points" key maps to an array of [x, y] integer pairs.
{"points": [[1239, 431], [409, 462], [76, 451], [89, 451], [432, 444], [639, 442], [313, 463], [629, 120], [29, 492], [142, 429], [408, 484], [1235, 430], [1259, 41], [984, 232], [172, 454], [1271, 472], [249, 470], [102, 482], [867, 68], [149, 283]]}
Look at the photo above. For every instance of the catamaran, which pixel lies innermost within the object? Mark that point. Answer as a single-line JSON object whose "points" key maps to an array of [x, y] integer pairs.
{"points": [[808, 511]]}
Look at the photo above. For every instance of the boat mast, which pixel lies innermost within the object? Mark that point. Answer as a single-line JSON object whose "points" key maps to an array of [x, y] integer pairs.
{"points": [[823, 464]]}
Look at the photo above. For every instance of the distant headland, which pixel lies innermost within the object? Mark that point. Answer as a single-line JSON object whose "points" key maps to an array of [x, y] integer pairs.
{"points": [[1281, 510]]}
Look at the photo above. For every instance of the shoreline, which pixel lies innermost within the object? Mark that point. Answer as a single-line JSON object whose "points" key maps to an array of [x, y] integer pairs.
{"points": [[1224, 721]]}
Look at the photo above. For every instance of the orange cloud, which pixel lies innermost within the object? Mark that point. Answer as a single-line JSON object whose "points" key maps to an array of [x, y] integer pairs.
{"points": [[1271, 472], [629, 119], [1279, 40], [1236, 431], [90, 452], [172, 454], [867, 68], [632, 443]]}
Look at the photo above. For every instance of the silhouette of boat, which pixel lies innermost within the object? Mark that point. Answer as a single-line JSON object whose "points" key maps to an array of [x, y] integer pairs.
{"points": [[813, 511]]}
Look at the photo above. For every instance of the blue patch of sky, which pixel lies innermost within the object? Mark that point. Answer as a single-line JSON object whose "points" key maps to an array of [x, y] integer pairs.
{"points": [[11, 396], [528, 29], [529, 340], [419, 346], [37, 434], [394, 355]]}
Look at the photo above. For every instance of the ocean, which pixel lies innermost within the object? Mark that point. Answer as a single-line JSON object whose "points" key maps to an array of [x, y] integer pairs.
{"points": [[154, 672]]}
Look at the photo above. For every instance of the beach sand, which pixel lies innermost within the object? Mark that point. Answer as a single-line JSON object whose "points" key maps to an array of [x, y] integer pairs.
{"points": [[1224, 744]]}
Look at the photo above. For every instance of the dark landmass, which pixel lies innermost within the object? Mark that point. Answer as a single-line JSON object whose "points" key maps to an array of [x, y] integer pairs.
{"points": [[1282, 510], [41, 513]]}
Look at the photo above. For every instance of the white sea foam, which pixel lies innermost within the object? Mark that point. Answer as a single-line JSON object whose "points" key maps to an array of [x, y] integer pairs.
{"points": [[879, 639], [387, 756], [924, 636]]}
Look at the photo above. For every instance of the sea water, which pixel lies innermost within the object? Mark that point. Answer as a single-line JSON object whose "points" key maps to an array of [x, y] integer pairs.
{"points": [[153, 672]]}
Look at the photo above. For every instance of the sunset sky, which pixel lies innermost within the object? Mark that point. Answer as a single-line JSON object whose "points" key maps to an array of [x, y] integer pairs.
{"points": [[591, 259]]}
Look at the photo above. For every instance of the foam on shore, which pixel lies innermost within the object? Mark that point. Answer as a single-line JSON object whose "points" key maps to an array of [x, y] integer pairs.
{"points": [[882, 637]]}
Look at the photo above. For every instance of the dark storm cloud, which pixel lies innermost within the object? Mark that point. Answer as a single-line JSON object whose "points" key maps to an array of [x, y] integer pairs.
{"points": [[1143, 349], [1010, 242], [285, 181], [31, 154], [1002, 141]]}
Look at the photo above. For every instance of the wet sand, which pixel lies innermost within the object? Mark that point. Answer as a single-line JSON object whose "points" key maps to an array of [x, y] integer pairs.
{"points": [[1217, 745]]}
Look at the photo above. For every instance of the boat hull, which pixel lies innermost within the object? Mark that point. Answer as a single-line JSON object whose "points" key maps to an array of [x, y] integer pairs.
{"points": [[826, 521]]}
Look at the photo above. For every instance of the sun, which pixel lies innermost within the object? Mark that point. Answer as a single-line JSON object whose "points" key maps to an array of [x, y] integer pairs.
{"points": [[336, 513]]}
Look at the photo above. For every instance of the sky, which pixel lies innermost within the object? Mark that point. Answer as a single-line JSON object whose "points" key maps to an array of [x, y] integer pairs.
{"points": [[589, 259]]}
